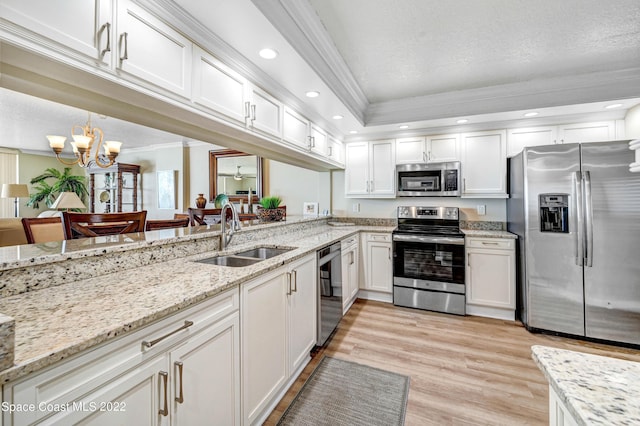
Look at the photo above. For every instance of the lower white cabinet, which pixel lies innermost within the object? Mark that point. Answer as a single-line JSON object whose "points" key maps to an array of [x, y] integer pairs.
{"points": [[278, 332], [490, 277], [377, 266], [182, 370], [559, 414], [350, 285]]}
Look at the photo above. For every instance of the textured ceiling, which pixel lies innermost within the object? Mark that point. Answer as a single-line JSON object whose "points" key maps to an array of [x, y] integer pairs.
{"points": [[405, 48]]}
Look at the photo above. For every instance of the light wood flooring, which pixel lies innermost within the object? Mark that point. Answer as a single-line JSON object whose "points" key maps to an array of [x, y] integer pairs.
{"points": [[463, 370]]}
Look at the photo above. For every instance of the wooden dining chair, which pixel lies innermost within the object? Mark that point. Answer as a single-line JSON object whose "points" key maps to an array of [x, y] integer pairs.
{"points": [[43, 229], [153, 224], [85, 225], [205, 216]]}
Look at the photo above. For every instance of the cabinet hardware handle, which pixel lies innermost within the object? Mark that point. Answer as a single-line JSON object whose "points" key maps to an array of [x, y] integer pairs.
{"points": [[288, 283], [424, 156], [125, 54], [484, 243], [295, 281], [371, 186], [179, 399], [313, 141], [247, 108], [253, 113], [165, 378], [330, 149], [106, 27], [353, 257], [367, 186], [464, 185], [389, 253], [468, 260], [146, 344]]}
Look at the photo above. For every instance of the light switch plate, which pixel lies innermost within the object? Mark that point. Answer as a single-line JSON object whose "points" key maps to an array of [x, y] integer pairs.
{"points": [[356, 207]]}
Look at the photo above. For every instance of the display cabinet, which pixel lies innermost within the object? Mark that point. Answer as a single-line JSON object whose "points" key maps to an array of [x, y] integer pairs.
{"points": [[114, 189]]}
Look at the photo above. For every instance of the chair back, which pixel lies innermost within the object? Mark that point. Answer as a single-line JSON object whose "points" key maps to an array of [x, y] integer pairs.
{"points": [[85, 225], [43, 229], [197, 216], [153, 224]]}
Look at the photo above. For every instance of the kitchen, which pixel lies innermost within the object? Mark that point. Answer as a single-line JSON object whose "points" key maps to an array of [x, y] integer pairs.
{"points": [[339, 203]]}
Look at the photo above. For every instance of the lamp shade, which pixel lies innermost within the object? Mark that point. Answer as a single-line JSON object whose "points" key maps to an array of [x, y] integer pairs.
{"points": [[68, 200], [14, 190]]}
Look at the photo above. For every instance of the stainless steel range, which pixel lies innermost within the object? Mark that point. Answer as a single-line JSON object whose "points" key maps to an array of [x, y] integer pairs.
{"points": [[428, 259]]}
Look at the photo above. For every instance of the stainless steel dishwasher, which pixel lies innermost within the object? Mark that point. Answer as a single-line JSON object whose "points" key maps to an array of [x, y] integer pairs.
{"points": [[329, 291]]}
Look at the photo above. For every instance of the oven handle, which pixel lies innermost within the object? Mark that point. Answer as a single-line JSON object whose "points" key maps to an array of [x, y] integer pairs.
{"points": [[427, 239]]}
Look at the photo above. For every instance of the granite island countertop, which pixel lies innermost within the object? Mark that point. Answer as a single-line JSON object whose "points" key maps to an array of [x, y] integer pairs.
{"points": [[597, 390], [56, 322]]}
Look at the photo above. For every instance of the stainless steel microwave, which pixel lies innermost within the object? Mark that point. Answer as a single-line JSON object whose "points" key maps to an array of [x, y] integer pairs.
{"points": [[428, 179]]}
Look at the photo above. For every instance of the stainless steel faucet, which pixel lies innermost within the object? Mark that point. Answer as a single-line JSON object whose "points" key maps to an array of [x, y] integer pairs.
{"points": [[235, 223]]}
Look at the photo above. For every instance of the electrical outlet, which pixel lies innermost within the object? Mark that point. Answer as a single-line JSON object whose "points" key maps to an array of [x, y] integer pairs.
{"points": [[356, 207], [481, 209]]}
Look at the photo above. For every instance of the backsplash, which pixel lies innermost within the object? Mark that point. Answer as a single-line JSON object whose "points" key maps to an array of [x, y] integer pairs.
{"points": [[483, 225]]}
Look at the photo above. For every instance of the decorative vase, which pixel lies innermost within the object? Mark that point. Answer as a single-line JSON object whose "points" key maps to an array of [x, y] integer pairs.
{"points": [[201, 202]]}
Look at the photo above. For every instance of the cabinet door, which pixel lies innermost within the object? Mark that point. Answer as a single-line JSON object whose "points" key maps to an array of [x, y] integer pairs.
{"points": [[335, 150], [484, 165], [356, 174], [346, 285], [517, 139], [587, 132], [152, 51], [350, 275], [442, 148], [265, 112], [491, 278], [85, 26], [208, 379], [302, 301], [382, 169], [264, 342], [218, 87], [410, 150], [318, 140], [379, 274], [295, 129]]}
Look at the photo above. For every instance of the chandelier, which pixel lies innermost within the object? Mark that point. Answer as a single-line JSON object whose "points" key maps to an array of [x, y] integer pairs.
{"points": [[82, 145]]}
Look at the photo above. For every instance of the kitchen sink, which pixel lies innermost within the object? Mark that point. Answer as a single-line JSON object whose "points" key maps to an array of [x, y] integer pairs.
{"points": [[230, 260], [263, 252], [245, 258]]}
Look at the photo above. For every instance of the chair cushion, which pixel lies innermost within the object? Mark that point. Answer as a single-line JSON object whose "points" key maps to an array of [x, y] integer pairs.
{"points": [[12, 232]]}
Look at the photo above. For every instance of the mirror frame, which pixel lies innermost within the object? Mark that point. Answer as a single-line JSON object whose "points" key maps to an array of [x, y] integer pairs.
{"points": [[213, 174]]}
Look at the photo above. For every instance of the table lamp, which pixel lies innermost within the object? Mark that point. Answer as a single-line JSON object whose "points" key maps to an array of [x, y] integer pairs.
{"points": [[15, 190], [68, 200]]}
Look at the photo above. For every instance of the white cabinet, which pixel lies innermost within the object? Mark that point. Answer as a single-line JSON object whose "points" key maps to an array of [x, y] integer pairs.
{"points": [[335, 150], [317, 140], [149, 49], [559, 414], [84, 26], [264, 112], [377, 265], [295, 129], [136, 379], [218, 87], [278, 331], [517, 139], [587, 132], [430, 149], [370, 169], [490, 277], [350, 284], [484, 164]]}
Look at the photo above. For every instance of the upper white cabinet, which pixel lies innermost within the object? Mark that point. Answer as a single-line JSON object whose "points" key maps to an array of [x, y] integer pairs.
{"points": [[295, 129], [430, 149], [149, 49], [517, 139], [317, 140], [587, 132], [264, 112], [370, 169], [335, 150], [218, 87], [85, 26], [484, 165]]}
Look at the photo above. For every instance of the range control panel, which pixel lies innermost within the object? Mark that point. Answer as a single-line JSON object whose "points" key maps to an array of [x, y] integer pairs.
{"points": [[418, 212]]}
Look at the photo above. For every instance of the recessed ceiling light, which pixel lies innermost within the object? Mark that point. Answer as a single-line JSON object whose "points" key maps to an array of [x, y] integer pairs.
{"points": [[403, 126], [268, 53], [353, 132], [337, 117], [530, 114], [613, 106], [462, 121], [312, 94]]}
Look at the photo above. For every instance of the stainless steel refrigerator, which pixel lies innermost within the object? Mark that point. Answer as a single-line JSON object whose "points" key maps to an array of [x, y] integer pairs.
{"points": [[576, 211]]}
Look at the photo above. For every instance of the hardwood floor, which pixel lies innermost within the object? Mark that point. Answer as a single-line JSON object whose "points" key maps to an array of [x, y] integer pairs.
{"points": [[463, 370]]}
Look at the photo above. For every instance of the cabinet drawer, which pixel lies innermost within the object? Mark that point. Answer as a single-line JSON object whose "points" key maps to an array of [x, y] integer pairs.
{"points": [[70, 380], [491, 243], [378, 237], [348, 242]]}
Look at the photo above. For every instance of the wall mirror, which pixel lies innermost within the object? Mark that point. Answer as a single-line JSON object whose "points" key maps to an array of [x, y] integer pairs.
{"points": [[235, 173]]}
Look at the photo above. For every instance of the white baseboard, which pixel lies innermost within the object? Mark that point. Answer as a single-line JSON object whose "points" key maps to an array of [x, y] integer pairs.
{"points": [[485, 311], [375, 295]]}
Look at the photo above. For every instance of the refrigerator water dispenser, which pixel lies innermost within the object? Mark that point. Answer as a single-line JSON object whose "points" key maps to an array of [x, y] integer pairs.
{"points": [[554, 213]]}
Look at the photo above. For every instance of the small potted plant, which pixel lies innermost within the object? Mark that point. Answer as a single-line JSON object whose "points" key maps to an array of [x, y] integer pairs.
{"points": [[270, 211]]}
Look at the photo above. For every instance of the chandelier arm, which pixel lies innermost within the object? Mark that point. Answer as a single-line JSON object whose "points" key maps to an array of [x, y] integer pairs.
{"points": [[73, 163]]}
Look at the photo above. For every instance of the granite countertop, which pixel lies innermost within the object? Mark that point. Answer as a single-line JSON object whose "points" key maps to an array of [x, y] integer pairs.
{"points": [[488, 233], [57, 322], [597, 390]]}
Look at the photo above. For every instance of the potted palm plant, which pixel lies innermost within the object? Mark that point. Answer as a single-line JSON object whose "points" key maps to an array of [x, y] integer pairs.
{"points": [[271, 210], [46, 192]]}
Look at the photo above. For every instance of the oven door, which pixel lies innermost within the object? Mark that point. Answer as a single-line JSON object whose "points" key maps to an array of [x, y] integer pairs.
{"points": [[429, 258]]}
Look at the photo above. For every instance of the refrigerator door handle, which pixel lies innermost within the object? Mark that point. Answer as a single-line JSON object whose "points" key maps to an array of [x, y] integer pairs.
{"points": [[577, 189], [588, 216]]}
